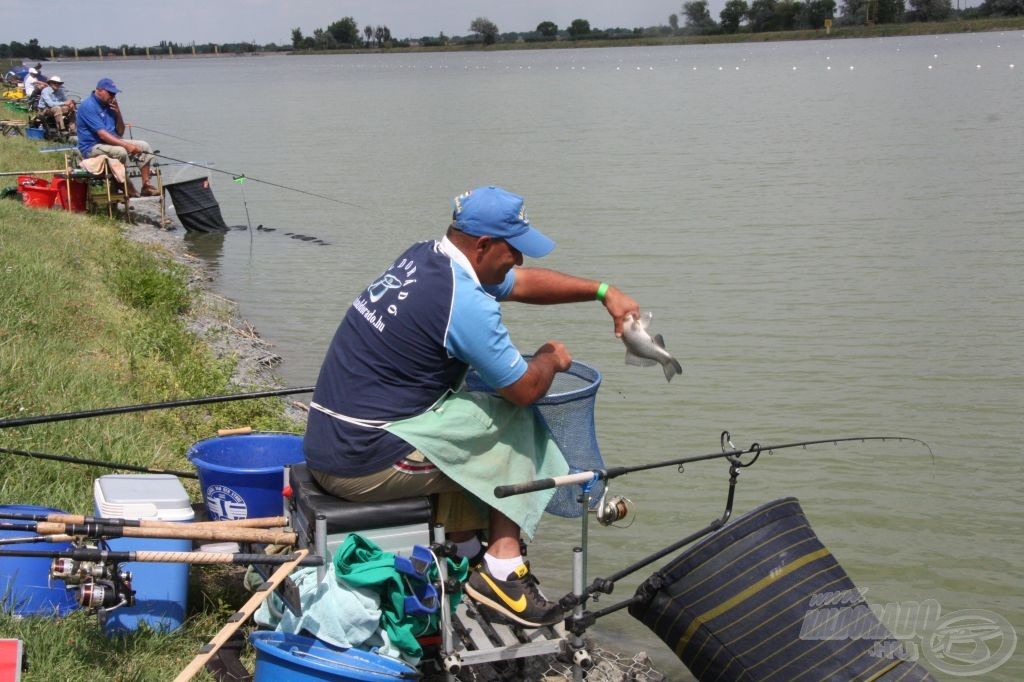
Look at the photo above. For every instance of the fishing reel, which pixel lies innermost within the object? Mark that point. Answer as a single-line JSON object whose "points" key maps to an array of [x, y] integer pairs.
{"points": [[107, 594], [614, 509], [100, 584], [74, 572]]}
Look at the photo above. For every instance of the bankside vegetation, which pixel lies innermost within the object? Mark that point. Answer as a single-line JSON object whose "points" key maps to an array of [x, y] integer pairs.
{"points": [[737, 18], [757, 20], [91, 319]]}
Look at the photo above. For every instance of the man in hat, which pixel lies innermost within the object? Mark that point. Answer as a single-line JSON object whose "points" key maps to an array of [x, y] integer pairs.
{"points": [[100, 127], [55, 102], [386, 420], [28, 83], [32, 82]]}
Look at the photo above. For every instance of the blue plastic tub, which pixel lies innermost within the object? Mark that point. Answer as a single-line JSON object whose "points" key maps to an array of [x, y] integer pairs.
{"points": [[35, 133], [25, 585], [283, 657], [242, 476]]}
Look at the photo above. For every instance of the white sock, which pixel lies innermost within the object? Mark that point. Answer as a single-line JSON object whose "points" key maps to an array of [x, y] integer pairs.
{"points": [[502, 568], [469, 548]]}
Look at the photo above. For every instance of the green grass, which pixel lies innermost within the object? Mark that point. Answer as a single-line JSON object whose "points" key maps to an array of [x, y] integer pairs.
{"points": [[89, 319]]}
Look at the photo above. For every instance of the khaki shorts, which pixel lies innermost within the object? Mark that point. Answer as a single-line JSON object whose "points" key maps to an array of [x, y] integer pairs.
{"points": [[141, 159], [413, 476]]}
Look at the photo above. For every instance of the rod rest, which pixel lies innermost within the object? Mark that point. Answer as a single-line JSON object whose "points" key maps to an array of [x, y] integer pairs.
{"points": [[309, 500]]}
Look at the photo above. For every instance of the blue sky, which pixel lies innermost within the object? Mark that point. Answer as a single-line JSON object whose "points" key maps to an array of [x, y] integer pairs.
{"points": [[82, 23]]}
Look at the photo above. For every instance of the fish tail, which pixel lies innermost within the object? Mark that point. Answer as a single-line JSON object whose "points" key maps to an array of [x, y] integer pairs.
{"points": [[672, 368]]}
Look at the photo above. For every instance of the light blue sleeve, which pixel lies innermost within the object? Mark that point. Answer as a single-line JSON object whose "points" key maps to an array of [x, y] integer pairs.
{"points": [[501, 291], [478, 337]]}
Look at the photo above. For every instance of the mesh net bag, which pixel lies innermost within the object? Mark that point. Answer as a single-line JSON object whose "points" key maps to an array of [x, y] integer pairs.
{"points": [[568, 412]]}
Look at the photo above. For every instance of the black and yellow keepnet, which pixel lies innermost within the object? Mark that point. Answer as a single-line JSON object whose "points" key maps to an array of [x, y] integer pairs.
{"points": [[744, 605]]}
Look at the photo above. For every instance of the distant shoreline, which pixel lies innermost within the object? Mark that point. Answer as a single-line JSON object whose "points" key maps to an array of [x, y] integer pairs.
{"points": [[984, 25]]}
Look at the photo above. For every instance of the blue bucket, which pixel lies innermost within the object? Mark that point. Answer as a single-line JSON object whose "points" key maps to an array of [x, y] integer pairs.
{"points": [[242, 476], [25, 585], [284, 657]]}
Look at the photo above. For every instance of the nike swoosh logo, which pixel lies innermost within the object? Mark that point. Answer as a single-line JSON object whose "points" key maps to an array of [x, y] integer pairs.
{"points": [[517, 605]]}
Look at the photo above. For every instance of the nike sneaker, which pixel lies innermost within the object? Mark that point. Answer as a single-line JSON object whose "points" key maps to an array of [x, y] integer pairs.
{"points": [[517, 598]]}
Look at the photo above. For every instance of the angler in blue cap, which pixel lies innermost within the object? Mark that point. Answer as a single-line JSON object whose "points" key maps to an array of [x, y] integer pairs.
{"points": [[387, 420], [100, 130]]}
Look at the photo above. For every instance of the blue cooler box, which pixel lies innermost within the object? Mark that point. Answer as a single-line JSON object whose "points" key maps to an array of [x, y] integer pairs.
{"points": [[161, 590], [26, 588]]}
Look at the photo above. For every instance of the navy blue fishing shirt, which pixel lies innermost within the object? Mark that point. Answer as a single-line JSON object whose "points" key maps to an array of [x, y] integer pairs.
{"points": [[405, 341]]}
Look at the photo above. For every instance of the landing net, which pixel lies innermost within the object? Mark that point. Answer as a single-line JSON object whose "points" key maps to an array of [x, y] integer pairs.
{"points": [[568, 412]]}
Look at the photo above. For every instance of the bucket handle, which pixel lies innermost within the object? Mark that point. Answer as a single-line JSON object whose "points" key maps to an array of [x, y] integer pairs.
{"points": [[234, 432]]}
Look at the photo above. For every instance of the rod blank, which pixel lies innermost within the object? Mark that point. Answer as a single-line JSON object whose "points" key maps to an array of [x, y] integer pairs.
{"points": [[45, 418]]}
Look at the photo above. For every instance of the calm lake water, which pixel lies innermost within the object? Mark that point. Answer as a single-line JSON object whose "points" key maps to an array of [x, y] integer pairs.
{"points": [[828, 234]]}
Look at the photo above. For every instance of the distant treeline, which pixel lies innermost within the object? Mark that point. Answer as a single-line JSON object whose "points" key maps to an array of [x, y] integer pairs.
{"points": [[738, 17], [33, 51], [759, 16]]}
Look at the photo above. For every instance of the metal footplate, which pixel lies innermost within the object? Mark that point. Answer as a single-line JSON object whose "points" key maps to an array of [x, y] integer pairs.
{"points": [[479, 639]]}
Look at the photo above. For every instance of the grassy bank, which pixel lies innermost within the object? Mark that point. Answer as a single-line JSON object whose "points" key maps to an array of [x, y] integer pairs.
{"points": [[89, 319]]}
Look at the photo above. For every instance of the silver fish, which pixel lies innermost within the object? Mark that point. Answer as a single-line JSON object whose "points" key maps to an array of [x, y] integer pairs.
{"points": [[644, 350]]}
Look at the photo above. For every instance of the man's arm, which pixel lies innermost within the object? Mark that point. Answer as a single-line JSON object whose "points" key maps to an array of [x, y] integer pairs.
{"points": [[541, 286], [549, 359], [118, 121]]}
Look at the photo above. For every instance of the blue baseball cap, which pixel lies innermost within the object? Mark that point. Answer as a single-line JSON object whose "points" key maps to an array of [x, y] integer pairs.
{"points": [[494, 212], [108, 85]]}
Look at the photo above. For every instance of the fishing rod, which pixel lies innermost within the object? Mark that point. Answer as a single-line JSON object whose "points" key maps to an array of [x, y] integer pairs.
{"points": [[31, 172], [265, 522], [242, 177], [201, 164], [160, 132], [582, 620], [183, 531], [37, 538], [103, 411], [729, 451], [96, 463], [93, 554]]}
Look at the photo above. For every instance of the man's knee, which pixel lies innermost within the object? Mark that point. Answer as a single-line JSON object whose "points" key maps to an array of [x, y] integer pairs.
{"points": [[112, 151], [145, 155]]}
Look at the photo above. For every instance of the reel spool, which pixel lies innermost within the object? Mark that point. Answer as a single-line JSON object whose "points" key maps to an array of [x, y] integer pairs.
{"points": [[100, 585], [614, 509], [107, 594], [74, 572]]}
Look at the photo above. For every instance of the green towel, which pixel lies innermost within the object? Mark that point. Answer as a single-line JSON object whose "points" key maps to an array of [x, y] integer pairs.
{"points": [[479, 441]]}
